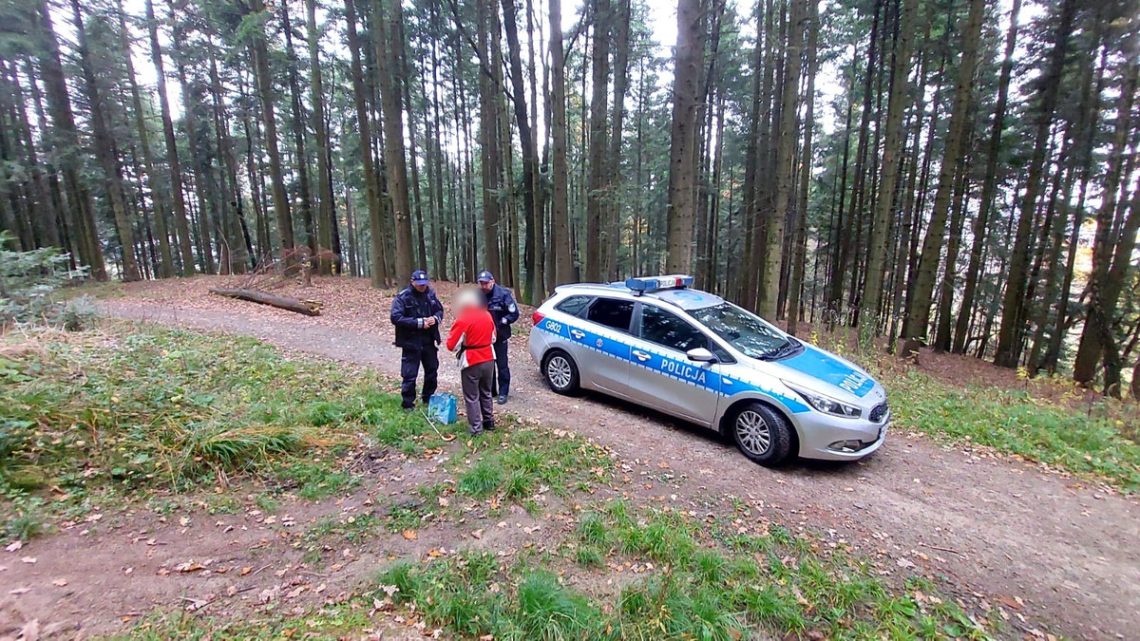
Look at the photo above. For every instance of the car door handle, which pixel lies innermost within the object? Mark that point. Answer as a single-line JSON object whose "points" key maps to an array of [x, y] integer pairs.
{"points": [[641, 356], [577, 333]]}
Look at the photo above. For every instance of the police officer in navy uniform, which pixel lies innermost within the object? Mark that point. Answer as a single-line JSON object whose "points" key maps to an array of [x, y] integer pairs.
{"points": [[417, 313], [503, 309]]}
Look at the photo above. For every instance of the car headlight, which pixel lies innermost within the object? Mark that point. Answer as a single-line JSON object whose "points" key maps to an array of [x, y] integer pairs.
{"points": [[826, 404]]}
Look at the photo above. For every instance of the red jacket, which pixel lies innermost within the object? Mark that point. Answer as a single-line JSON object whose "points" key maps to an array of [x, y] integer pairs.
{"points": [[474, 333]]}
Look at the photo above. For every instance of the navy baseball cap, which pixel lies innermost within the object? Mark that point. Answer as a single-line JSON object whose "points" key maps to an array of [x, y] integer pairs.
{"points": [[485, 276], [420, 277]]}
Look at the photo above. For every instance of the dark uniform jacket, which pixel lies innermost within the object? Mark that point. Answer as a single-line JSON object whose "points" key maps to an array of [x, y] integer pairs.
{"points": [[408, 308], [503, 309]]}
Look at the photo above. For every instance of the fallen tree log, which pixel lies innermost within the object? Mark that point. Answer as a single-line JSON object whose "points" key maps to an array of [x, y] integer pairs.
{"points": [[306, 307]]}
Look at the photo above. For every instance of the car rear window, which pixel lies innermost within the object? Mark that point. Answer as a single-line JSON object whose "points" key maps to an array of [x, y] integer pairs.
{"points": [[611, 313], [574, 305]]}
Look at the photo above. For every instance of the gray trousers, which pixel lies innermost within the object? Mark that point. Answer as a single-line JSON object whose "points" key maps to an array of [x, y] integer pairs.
{"points": [[477, 400]]}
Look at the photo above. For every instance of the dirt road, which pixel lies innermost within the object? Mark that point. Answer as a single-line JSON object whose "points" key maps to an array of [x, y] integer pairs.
{"points": [[1047, 547]]}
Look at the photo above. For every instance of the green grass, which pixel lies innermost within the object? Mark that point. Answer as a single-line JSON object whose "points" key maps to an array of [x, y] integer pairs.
{"points": [[1017, 423], [519, 463], [704, 585], [125, 411]]}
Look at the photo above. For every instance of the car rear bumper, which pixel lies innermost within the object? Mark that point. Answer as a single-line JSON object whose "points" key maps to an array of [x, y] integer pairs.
{"points": [[839, 439], [537, 344]]}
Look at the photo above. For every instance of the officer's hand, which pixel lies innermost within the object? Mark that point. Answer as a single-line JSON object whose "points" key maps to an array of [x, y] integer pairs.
{"points": [[505, 322], [430, 321]]}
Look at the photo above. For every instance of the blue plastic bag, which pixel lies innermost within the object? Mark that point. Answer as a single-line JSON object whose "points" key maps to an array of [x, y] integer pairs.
{"points": [[443, 408]]}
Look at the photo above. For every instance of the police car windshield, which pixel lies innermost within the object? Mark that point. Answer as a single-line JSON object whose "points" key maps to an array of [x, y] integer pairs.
{"points": [[745, 331]]}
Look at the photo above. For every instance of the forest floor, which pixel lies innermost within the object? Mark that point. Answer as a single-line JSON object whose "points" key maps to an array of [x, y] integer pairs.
{"points": [[1027, 535]]}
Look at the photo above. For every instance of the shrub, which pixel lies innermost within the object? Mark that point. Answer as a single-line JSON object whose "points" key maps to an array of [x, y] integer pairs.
{"points": [[27, 281]]}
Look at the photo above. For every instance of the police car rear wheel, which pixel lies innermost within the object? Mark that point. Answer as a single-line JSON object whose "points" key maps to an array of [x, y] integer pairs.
{"points": [[561, 373], [762, 434]]}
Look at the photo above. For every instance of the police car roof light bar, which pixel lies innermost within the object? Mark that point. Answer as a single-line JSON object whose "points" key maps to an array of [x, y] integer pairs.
{"points": [[654, 283]]}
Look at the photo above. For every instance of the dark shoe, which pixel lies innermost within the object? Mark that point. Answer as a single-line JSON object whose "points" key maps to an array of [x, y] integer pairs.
{"points": [[407, 408], [475, 432], [488, 427], [502, 399]]}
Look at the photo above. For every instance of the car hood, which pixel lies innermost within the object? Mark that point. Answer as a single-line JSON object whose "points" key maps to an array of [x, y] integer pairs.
{"points": [[825, 372]]}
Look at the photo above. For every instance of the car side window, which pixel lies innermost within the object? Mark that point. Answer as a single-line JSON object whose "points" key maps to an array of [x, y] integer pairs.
{"points": [[574, 305], [611, 313], [661, 327]]}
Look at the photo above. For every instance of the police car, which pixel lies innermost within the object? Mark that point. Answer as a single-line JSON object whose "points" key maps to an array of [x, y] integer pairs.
{"points": [[659, 343]]}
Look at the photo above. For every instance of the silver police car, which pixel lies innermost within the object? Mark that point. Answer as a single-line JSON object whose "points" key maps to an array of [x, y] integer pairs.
{"points": [[659, 343]]}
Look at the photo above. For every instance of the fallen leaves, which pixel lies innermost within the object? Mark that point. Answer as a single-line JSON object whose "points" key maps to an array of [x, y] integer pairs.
{"points": [[410, 535]]}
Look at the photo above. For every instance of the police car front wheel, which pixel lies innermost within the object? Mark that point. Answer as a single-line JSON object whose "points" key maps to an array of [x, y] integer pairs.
{"points": [[561, 373], [762, 434]]}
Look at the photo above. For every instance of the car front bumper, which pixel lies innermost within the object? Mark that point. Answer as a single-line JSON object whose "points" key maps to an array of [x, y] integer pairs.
{"points": [[831, 438]]}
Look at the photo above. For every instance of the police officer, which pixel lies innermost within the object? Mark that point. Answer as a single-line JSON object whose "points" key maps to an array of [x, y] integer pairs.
{"points": [[417, 313], [503, 309]]}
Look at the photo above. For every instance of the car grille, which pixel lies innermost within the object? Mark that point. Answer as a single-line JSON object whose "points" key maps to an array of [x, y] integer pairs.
{"points": [[878, 413]]}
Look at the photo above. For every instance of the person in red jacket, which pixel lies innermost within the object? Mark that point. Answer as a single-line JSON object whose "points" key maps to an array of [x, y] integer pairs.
{"points": [[471, 338]]}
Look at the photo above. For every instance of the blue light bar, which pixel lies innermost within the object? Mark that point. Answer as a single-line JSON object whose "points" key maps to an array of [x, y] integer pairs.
{"points": [[654, 283]]}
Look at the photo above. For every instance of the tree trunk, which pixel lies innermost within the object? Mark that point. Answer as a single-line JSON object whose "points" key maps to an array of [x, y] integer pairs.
{"points": [[785, 165], [269, 116], [918, 312], [799, 230], [379, 273], [181, 220], [682, 172], [387, 22], [105, 151], [1014, 306], [529, 145], [82, 215], [980, 228], [165, 258], [326, 213], [560, 173], [288, 303], [871, 299]]}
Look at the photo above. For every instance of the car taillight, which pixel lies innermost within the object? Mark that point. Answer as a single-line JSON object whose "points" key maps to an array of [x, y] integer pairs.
{"points": [[536, 318]]}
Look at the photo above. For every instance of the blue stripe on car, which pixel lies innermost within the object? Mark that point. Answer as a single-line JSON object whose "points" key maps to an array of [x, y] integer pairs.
{"points": [[825, 367], [667, 366]]}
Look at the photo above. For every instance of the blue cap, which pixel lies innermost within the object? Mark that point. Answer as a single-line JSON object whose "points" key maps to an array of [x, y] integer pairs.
{"points": [[419, 277], [485, 276]]}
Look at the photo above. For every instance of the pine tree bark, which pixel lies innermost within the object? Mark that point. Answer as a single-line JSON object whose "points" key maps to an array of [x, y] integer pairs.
{"points": [[326, 213], [871, 299], [489, 140], [82, 216], [560, 173], [105, 151], [596, 196], [265, 92], [199, 163], [918, 311], [178, 198], [681, 203], [379, 272], [785, 165], [159, 207], [529, 145], [612, 221], [297, 127], [799, 230], [387, 22], [980, 227], [1012, 327]]}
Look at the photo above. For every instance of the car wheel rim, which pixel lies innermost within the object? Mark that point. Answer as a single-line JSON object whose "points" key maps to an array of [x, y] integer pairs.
{"points": [[559, 372], [753, 433]]}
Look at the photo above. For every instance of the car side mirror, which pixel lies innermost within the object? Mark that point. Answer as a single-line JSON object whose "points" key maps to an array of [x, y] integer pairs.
{"points": [[701, 355]]}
